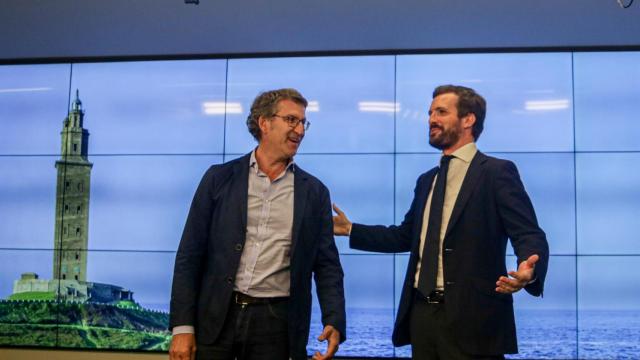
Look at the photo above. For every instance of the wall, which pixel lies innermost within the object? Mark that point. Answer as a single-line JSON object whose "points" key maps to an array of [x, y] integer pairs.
{"points": [[31, 29]]}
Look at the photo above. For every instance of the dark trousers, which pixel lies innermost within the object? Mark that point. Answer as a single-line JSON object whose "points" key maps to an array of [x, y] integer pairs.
{"points": [[251, 332], [432, 338]]}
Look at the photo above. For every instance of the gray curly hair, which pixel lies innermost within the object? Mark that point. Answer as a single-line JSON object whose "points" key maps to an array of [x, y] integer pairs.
{"points": [[266, 104]]}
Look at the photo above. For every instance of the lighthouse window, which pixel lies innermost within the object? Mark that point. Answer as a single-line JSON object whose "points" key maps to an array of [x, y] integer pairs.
{"points": [[80, 186], [66, 208], [78, 231], [78, 209], [75, 148], [77, 256], [67, 184]]}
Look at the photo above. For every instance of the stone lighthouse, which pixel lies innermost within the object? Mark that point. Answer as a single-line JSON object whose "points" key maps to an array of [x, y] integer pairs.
{"points": [[72, 199]]}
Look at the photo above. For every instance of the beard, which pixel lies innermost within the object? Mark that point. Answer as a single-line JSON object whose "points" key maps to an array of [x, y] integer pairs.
{"points": [[446, 138]]}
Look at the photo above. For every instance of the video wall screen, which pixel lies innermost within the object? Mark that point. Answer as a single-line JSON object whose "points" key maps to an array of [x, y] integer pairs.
{"points": [[99, 163]]}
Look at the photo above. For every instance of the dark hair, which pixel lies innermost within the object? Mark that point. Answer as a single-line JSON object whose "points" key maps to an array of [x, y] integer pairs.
{"points": [[469, 102], [266, 104]]}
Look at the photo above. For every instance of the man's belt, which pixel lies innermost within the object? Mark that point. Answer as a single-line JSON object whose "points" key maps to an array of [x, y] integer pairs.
{"points": [[435, 297], [244, 299]]}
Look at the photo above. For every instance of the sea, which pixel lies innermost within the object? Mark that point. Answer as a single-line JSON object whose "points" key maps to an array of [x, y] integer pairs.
{"points": [[542, 334]]}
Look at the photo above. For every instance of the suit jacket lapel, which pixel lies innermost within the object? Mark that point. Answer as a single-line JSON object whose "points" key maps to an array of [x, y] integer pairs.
{"points": [[468, 184], [240, 189], [421, 202], [300, 193]]}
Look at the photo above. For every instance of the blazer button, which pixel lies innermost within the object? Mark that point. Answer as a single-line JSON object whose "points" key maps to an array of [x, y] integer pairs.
{"points": [[229, 280], [238, 247], [450, 283]]}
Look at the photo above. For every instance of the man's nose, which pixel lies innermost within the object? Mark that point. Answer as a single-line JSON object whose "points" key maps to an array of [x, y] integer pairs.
{"points": [[299, 128]]}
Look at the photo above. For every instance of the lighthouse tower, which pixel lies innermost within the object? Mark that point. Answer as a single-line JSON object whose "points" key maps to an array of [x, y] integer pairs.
{"points": [[72, 199]]}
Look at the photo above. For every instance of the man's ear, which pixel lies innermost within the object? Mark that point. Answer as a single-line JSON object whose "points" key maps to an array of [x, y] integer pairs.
{"points": [[468, 121], [262, 123]]}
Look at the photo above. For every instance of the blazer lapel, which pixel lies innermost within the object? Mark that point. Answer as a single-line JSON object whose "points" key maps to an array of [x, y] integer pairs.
{"points": [[240, 189], [469, 183], [421, 201], [300, 193]]}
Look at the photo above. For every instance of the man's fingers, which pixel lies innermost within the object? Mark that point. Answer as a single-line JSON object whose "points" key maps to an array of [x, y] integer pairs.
{"points": [[325, 334], [530, 263], [333, 336], [332, 348], [505, 289], [506, 285], [319, 356], [341, 224], [182, 355], [337, 210], [515, 275], [334, 340]]}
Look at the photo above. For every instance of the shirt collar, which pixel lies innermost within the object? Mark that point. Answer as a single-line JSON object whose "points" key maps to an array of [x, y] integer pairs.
{"points": [[466, 153], [253, 163]]}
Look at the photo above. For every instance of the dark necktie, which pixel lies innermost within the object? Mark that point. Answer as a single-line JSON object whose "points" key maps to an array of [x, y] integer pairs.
{"points": [[429, 263]]}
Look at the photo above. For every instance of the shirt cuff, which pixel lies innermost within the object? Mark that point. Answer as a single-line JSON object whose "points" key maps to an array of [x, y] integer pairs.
{"points": [[183, 329]]}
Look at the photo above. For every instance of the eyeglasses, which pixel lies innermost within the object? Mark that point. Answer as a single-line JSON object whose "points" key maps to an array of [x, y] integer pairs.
{"points": [[294, 121]]}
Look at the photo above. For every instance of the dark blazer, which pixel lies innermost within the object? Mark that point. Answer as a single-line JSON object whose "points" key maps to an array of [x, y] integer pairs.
{"points": [[492, 206], [211, 246]]}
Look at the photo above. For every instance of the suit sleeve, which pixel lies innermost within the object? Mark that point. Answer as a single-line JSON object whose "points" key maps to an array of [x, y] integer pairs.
{"points": [[389, 239], [328, 272], [521, 225], [190, 256]]}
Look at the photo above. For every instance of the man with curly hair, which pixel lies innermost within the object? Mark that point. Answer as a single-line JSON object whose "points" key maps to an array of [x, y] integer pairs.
{"points": [[258, 228]]}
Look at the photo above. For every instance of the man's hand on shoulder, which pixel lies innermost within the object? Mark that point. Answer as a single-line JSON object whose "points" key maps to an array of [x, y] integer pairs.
{"points": [[341, 224], [183, 347]]}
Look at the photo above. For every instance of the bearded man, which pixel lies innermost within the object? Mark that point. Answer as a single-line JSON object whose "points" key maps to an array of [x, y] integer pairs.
{"points": [[456, 301]]}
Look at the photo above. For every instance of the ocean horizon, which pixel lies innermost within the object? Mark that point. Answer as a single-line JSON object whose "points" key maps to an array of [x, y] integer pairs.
{"points": [[542, 334]]}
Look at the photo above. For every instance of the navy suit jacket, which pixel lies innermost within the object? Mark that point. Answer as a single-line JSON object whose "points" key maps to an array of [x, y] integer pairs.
{"points": [[491, 207], [212, 242]]}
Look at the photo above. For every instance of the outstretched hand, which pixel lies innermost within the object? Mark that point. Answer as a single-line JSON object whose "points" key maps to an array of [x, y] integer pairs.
{"points": [[331, 335], [518, 279], [341, 224]]}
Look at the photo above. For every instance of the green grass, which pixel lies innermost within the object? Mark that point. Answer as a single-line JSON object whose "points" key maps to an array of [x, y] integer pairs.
{"points": [[83, 325], [128, 304], [33, 295], [82, 337]]}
